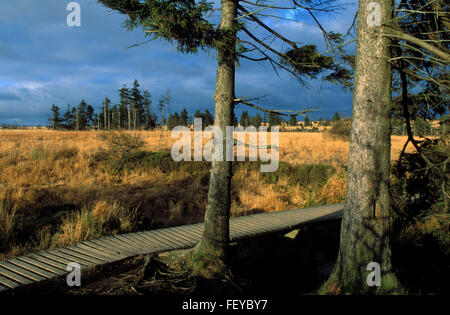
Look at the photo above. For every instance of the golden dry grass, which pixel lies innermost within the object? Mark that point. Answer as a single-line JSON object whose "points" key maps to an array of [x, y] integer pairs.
{"points": [[58, 170]]}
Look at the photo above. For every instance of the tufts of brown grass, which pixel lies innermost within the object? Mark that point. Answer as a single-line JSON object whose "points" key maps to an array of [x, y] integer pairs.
{"points": [[8, 217], [58, 184]]}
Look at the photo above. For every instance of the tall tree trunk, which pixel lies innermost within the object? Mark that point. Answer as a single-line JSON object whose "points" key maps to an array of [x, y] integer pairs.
{"points": [[210, 256], [105, 114], [129, 118], [366, 222], [78, 118], [134, 117]]}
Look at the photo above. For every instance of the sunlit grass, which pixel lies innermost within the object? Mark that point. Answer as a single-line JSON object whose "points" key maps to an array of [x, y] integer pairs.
{"points": [[46, 172]]}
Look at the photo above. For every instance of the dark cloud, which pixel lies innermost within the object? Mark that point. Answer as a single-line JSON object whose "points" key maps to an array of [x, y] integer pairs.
{"points": [[45, 62]]}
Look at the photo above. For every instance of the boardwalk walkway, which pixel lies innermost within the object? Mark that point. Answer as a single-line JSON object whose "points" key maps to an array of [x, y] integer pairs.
{"points": [[49, 264]]}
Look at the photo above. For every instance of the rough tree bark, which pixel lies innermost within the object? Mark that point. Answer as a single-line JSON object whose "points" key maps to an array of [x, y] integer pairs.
{"points": [[210, 255], [366, 222]]}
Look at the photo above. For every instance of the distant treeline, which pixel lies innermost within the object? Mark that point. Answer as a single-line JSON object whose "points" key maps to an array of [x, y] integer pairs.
{"points": [[134, 111]]}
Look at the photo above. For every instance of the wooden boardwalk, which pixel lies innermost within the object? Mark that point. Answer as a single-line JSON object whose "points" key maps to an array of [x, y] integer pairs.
{"points": [[49, 264]]}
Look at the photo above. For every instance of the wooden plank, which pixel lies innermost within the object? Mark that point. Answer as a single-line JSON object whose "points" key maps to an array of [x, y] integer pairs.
{"points": [[41, 265], [167, 238], [35, 269], [178, 237], [148, 245], [273, 219], [61, 260], [21, 271], [243, 226], [6, 282], [50, 262], [91, 253], [261, 223], [133, 242], [271, 225], [158, 245], [14, 276], [239, 226], [107, 253], [184, 235], [254, 226], [194, 231], [125, 242], [149, 241], [237, 232], [81, 255], [170, 237], [122, 245], [70, 257], [196, 228], [113, 246], [106, 247], [163, 240]]}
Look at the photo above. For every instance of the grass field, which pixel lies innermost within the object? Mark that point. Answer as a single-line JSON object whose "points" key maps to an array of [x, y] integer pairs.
{"points": [[59, 187]]}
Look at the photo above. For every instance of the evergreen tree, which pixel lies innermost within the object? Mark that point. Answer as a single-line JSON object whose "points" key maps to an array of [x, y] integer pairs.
{"points": [[125, 107], [307, 121], [257, 120], [208, 119], [365, 227], [245, 120], [106, 114], [336, 117], [55, 120], [137, 106], [69, 118], [90, 115], [293, 121], [76, 118], [274, 119], [184, 117], [167, 99], [149, 116], [161, 108], [82, 115], [173, 121], [186, 23]]}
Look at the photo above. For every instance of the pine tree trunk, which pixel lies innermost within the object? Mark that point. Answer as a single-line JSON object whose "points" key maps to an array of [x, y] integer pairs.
{"points": [[129, 119], [134, 118], [78, 118], [366, 222], [211, 253], [105, 114]]}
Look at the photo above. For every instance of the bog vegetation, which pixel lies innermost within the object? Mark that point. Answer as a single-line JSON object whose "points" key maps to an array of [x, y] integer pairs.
{"points": [[60, 187]]}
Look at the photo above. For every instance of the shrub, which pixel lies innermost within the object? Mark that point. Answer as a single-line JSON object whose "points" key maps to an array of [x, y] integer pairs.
{"points": [[341, 129], [122, 143], [123, 149]]}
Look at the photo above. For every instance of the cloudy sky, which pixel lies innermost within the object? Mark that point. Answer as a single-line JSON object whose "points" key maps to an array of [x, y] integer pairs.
{"points": [[43, 61]]}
